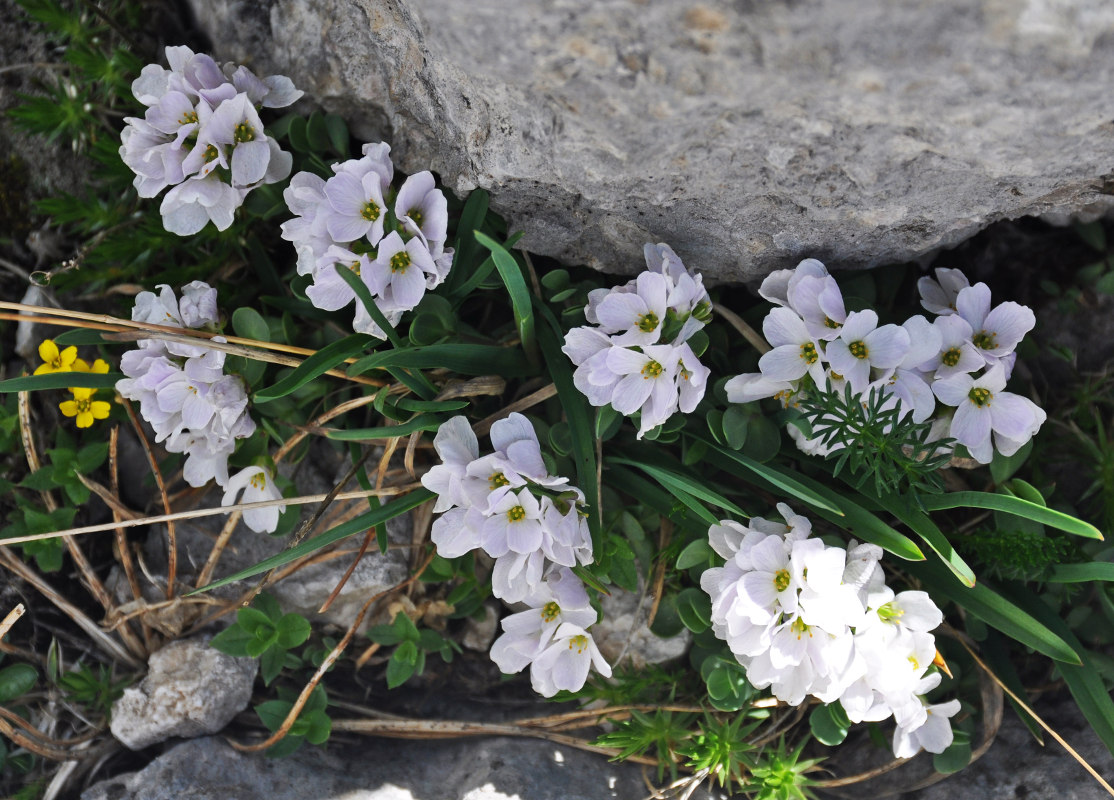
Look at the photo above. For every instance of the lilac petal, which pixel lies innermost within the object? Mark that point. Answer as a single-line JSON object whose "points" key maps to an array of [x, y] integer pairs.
{"points": [[1012, 415], [408, 286], [784, 326], [886, 346], [973, 304], [630, 393], [925, 341], [785, 363], [623, 361], [1008, 323], [858, 325], [618, 312], [953, 391], [971, 425], [249, 162]]}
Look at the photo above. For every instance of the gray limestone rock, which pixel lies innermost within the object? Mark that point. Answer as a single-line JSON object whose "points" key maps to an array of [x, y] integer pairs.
{"points": [[624, 632], [190, 690], [382, 769], [747, 135]]}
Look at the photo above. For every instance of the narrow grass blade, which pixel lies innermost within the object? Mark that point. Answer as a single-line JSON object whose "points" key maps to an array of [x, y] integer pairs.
{"points": [[1081, 573], [578, 415], [922, 525], [1083, 679], [995, 610], [363, 294], [62, 380], [772, 475], [1012, 505], [368, 519], [521, 302], [329, 357], [422, 422], [682, 486], [626, 481], [467, 359]]}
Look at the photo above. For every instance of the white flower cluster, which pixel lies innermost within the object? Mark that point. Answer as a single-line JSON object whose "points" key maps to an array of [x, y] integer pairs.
{"points": [[193, 407], [805, 618], [961, 359], [394, 241], [634, 354], [508, 505], [202, 135]]}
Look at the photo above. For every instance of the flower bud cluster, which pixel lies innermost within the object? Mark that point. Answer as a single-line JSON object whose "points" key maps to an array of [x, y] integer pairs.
{"points": [[394, 240], [961, 359], [202, 135], [634, 354], [507, 504], [181, 388], [805, 618]]}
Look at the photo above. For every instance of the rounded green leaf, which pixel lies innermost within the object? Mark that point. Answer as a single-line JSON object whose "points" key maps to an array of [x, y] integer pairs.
{"points": [[16, 680]]}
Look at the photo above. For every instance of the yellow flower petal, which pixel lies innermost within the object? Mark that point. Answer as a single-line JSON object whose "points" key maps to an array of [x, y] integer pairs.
{"points": [[68, 356], [80, 365], [48, 350], [82, 392], [100, 409], [85, 419], [69, 408], [100, 367]]}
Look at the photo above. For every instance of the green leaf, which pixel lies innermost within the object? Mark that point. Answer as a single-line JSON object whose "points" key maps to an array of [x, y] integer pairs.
{"points": [[829, 724], [293, 629], [1081, 573], [358, 286], [735, 423], [329, 357], [338, 134], [467, 359], [578, 415], [793, 485], [521, 300], [16, 680], [249, 324], [422, 422], [401, 664], [674, 482], [695, 609], [233, 641], [1003, 467], [697, 554], [992, 608], [358, 524], [61, 380], [922, 525], [1012, 505], [954, 758], [82, 337]]}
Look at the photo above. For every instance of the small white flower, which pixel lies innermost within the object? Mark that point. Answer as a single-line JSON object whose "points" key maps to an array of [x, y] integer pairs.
{"points": [[795, 352], [564, 664], [422, 209], [938, 296], [957, 353], [356, 207], [982, 408], [258, 485], [997, 331], [778, 284], [820, 303], [636, 316], [647, 383], [934, 734], [863, 346]]}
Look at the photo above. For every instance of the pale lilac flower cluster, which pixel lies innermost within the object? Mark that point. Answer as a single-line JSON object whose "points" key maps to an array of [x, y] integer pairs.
{"points": [[805, 618], [506, 504], [634, 355], [202, 135], [192, 405], [961, 359], [393, 240]]}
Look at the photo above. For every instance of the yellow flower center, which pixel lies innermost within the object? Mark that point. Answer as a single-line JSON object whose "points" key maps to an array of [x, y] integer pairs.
{"points": [[830, 323], [648, 322], [188, 118], [980, 397], [370, 211], [259, 481], [400, 261], [951, 357], [781, 580], [808, 353], [652, 370], [858, 349], [550, 611], [243, 133], [798, 627], [210, 155], [580, 642], [498, 479], [415, 214], [516, 514], [985, 340]]}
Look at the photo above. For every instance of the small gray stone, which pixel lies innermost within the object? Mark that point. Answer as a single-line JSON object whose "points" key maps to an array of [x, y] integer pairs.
{"points": [[190, 690], [624, 632], [748, 135], [383, 769], [479, 634]]}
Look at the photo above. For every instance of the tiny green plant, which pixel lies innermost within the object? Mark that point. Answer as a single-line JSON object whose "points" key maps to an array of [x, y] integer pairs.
{"points": [[411, 647], [262, 631]]}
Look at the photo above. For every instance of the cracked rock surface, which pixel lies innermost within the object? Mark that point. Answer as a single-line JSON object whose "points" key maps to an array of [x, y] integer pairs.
{"points": [[747, 135]]}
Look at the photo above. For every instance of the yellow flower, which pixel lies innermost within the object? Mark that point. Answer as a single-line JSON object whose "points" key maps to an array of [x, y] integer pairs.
{"points": [[55, 361], [100, 366], [84, 407]]}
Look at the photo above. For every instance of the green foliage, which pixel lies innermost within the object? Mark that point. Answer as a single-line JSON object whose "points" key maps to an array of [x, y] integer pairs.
{"points": [[262, 631], [782, 775], [16, 680], [313, 724], [1016, 554], [411, 647], [874, 442], [660, 733], [720, 749], [95, 689]]}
